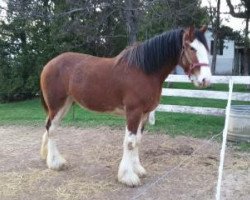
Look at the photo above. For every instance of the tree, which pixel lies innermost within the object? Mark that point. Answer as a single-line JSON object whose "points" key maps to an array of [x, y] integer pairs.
{"points": [[35, 31], [25, 37], [131, 18], [216, 27], [242, 11], [162, 15]]}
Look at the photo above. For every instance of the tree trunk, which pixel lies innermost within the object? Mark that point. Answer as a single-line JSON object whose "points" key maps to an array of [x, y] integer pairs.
{"points": [[131, 17], [216, 30], [245, 59]]}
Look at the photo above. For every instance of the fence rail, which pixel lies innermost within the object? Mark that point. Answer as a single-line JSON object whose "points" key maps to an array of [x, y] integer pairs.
{"points": [[205, 94]]}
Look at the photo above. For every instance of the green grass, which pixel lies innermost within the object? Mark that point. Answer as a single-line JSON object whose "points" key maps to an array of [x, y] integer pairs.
{"points": [[31, 113], [217, 87], [244, 146]]}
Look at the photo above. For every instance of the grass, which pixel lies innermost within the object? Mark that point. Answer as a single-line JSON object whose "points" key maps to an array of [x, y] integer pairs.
{"points": [[30, 112]]}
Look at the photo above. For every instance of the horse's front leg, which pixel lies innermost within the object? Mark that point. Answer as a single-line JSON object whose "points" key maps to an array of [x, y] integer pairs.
{"points": [[130, 167]]}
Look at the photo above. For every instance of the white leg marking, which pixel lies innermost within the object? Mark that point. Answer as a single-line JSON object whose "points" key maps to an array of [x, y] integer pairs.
{"points": [[54, 159], [138, 168], [44, 146], [151, 118], [126, 172]]}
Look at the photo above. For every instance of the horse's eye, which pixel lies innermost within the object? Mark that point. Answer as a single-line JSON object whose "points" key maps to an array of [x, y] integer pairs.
{"points": [[193, 49]]}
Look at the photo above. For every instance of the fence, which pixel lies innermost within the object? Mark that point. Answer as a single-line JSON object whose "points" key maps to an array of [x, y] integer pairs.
{"points": [[207, 94]]}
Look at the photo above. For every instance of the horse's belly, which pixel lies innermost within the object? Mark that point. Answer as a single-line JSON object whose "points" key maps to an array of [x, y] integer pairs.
{"points": [[105, 109], [118, 111], [101, 104]]}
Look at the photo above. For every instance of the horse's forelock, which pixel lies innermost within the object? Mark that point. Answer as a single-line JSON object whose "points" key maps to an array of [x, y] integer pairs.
{"points": [[201, 37]]}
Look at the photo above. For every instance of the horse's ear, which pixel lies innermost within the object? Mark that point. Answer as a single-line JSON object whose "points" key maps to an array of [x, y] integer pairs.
{"points": [[189, 34], [203, 29]]}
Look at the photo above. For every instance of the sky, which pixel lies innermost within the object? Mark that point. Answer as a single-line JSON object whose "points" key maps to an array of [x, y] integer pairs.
{"points": [[228, 20], [2, 4]]}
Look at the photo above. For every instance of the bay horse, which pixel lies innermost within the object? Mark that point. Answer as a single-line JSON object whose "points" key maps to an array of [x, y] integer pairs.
{"points": [[129, 84]]}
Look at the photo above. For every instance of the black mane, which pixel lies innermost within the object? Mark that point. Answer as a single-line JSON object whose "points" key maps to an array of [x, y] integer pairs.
{"points": [[153, 54]]}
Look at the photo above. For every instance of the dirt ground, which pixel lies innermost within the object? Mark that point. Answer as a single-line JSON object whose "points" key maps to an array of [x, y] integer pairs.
{"points": [[178, 168]]}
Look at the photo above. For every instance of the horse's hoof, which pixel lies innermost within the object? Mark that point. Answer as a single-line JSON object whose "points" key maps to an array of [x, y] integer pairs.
{"points": [[130, 179], [140, 171], [56, 163]]}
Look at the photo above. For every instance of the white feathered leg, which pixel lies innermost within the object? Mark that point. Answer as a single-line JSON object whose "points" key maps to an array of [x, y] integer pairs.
{"points": [[44, 146], [138, 168], [130, 168], [126, 172], [49, 148], [55, 160]]}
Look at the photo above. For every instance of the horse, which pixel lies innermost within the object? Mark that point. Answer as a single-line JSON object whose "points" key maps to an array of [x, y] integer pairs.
{"points": [[128, 84]]}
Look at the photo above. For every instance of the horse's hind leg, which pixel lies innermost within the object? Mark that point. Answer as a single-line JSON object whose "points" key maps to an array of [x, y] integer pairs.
{"points": [[44, 146], [49, 148]]}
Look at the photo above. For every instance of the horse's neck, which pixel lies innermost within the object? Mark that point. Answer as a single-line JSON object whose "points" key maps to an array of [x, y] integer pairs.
{"points": [[164, 72]]}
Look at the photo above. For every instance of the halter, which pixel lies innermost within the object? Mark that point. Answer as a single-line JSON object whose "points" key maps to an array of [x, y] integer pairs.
{"points": [[196, 65], [192, 66]]}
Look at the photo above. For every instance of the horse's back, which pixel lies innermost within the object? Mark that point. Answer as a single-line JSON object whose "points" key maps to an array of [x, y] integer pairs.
{"points": [[88, 79], [63, 66], [100, 84]]}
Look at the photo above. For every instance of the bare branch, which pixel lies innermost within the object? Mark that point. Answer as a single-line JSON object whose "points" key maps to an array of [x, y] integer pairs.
{"points": [[233, 13]]}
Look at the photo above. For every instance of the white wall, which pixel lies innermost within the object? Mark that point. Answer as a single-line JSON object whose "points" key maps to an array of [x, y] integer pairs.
{"points": [[225, 62]]}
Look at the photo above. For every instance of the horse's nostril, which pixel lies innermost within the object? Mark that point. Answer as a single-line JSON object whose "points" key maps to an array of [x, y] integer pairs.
{"points": [[205, 82]]}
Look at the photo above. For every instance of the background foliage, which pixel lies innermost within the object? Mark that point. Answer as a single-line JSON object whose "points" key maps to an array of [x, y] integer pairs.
{"points": [[35, 31]]}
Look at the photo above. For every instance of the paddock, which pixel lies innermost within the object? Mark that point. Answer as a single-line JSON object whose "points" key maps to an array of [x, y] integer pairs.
{"points": [[178, 168]]}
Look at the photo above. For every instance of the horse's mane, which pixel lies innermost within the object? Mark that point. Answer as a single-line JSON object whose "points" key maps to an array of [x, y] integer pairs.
{"points": [[152, 55]]}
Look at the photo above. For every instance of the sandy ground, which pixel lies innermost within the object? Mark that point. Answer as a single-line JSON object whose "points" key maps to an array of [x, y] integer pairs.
{"points": [[176, 168]]}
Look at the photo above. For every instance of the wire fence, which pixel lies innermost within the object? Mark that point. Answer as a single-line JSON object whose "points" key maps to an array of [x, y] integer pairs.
{"points": [[183, 162]]}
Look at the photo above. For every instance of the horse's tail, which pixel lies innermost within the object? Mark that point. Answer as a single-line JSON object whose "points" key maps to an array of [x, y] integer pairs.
{"points": [[44, 103]]}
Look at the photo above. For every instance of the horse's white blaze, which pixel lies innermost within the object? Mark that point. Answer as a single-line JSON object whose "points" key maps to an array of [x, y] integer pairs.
{"points": [[201, 51], [204, 76]]}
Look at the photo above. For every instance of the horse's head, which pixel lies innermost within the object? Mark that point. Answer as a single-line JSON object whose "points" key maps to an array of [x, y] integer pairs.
{"points": [[194, 56]]}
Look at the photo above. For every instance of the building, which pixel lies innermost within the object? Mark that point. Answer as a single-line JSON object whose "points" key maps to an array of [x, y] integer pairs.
{"points": [[225, 54]]}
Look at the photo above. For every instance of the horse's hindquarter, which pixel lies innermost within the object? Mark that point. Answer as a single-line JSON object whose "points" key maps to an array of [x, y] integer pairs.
{"points": [[55, 77]]}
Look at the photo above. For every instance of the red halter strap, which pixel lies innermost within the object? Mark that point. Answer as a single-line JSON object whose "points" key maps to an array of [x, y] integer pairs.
{"points": [[196, 65]]}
